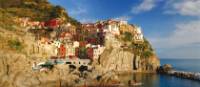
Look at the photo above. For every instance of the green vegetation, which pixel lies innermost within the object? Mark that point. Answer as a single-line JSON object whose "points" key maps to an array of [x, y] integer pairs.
{"points": [[147, 54], [127, 36], [82, 53], [6, 20], [15, 44], [144, 49]]}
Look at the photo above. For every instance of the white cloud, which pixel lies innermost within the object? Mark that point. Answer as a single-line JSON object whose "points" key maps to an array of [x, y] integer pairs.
{"points": [[184, 7], [87, 20], [126, 18], [183, 42], [146, 5], [184, 34]]}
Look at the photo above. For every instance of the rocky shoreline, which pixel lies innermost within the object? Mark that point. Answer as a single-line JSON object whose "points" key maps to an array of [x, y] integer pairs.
{"points": [[16, 72], [168, 70]]}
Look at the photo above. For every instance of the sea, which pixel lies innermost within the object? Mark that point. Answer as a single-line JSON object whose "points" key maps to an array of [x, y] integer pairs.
{"points": [[157, 80]]}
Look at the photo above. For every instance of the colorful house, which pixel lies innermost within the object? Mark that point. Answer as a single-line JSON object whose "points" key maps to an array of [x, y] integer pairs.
{"points": [[57, 44], [75, 44], [65, 37], [90, 53], [138, 34], [70, 50], [111, 26], [62, 51], [89, 27], [97, 51], [53, 23]]}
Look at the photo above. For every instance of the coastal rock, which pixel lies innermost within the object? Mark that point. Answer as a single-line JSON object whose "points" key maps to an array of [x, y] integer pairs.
{"points": [[117, 59], [123, 61], [166, 68], [151, 64]]}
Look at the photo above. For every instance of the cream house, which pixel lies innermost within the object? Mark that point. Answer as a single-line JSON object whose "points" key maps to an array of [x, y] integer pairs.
{"points": [[57, 43], [138, 36], [76, 44], [97, 51], [111, 26], [70, 50]]}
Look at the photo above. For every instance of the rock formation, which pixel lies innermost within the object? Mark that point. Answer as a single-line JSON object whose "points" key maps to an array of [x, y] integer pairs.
{"points": [[123, 59]]}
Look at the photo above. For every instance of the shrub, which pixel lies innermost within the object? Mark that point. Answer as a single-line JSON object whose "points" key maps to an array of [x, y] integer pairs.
{"points": [[147, 54], [15, 44], [144, 49]]}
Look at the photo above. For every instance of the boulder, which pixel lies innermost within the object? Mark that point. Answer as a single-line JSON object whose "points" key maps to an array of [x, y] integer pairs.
{"points": [[165, 68]]}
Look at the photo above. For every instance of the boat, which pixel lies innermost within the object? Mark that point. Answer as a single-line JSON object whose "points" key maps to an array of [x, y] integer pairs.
{"points": [[134, 83], [137, 84]]}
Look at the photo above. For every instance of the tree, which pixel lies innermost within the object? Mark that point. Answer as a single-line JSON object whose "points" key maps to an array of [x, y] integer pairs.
{"points": [[82, 53], [15, 44], [147, 54]]}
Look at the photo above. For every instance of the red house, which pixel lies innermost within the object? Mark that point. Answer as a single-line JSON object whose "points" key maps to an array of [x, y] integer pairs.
{"points": [[92, 40], [53, 23], [100, 27], [90, 53], [76, 52]]}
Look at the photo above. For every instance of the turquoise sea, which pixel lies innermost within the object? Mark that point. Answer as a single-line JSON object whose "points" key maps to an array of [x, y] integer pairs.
{"points": [[155, 80]]}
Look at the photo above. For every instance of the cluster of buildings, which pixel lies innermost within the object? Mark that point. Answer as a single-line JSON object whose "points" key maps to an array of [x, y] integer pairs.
{"points": [[65, 41], [114, 27]]}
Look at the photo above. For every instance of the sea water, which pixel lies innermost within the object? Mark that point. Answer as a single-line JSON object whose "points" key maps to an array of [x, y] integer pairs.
{"points": [[156, 80]]}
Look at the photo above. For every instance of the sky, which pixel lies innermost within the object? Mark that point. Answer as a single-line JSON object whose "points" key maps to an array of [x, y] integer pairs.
{"points": [[171, 26]]}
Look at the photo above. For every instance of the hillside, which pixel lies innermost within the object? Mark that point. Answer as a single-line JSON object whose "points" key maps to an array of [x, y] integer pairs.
{"points": [[36, 10]]}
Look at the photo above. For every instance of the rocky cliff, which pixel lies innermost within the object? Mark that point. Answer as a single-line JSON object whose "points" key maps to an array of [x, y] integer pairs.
{"points": [[125, 61], [128, 56], [117, 59]]}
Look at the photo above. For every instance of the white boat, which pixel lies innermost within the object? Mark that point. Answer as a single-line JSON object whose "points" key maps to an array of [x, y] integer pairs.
{"points": [[134, 83]]}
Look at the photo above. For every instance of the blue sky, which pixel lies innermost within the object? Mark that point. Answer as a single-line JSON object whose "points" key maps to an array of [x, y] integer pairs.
{"points": [[172, 26]]}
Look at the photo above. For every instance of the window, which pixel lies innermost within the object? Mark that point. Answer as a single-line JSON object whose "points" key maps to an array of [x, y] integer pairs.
{"points": [[68, 62]]}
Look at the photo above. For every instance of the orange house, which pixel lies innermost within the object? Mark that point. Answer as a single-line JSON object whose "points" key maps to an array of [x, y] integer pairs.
{"points": [[62, 51]]}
